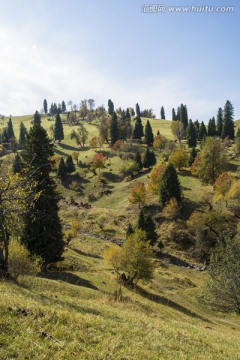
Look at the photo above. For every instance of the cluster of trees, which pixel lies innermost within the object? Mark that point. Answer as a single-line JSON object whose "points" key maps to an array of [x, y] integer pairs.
{"points": [[29, 202]]}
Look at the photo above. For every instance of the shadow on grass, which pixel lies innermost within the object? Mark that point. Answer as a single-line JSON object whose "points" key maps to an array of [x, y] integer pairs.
{"points": [[79, 252], [68, 147], [68, 278], [164, 301], [111, 176]]}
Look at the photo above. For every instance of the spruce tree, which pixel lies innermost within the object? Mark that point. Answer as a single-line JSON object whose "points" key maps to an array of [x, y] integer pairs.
{"points": [[17, 164], [192, 156], [219, 122], [62, 169], [22, 136], [138, 112], [228, 123], [36, 118], [174, 116], [138, 129], [191, 134], [114, 129], [58, 129], [158, 132], [10, 132], [129, 231], [184, 115], [170, 186], [42, 228], [70, 167], [196, 125], [110, 107], [64, 108], [45, 106], [138, 161], [211, 127], [202, 131], [148, 134], [146, 223], [162, 113], [149, 158]]}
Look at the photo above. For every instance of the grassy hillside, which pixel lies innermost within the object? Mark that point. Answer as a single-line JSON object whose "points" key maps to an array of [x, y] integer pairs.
{"points": [[77, 312]]}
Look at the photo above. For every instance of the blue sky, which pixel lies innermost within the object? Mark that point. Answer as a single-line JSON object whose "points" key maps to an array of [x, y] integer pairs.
{"points": [[101, 49]]}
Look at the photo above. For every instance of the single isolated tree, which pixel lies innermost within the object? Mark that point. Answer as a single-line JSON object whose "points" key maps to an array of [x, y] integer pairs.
{"points": [[22, 136], [70, 167], [138, 194], [138, 129], [64, 108], [149, 158], [62, 169], [148, 134], [146, 223], [110, 107], [138, 161], [138, 112], [36, 118], [170, 186], [17, 164], [42, 233], [219, 125], [58, 129], [45, 106]]}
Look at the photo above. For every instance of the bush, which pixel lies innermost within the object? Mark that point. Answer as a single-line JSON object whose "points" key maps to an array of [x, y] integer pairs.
{"points": [[20, 262]]}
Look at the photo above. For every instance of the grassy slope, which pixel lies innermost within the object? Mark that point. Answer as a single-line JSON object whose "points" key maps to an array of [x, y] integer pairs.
{"points": [[76, 307]]}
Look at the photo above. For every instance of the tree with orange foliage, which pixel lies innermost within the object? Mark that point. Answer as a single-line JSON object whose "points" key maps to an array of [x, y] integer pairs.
{"points": [[222, 186], [138, 194], [118, 145], [155, 178], [159, 142], [99, 161]]}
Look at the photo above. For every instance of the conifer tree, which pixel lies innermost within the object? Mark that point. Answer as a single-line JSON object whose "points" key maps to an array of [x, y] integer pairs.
{"points": [[146, 223], [17, 164], [138, 112], [170, 186], [202, 131], [22, 136], [37, 118], [196, 125], [211, 127], [219, 125], [149, 138], [10, 132], [162, 113], [110, 107], [184, 115], [114, 129], [158, 132], [64, 108], [174, 116], [42, 228], [192, 156], [149, 158], [62, 169], [191, 134], [45, 106], [70, 167], [129, 231], [138, 129], [228, 123], [138, 161], [58, 129]]}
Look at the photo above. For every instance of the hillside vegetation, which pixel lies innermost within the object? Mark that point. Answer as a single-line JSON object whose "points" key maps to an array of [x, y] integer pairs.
{"points": [[78, 309]]}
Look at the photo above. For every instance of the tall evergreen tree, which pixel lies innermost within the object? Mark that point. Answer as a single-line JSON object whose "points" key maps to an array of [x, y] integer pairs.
{"points": [[58, 129], [228, 123], [174, 116], [42, 228], [149, 138], [170, 186], [22, 136], [192, 156], [149, 158], [36, 118], [64, 108], [219, 122], [62, 169], [138, 161], [202, 131], [138, 112], [17, 164], [162, 113], [45, 106], [146, 223], [114, 129], [196, 125], [70, 167], [10, 132], [138, 129], [191, 134], [178, 113], [211, 127], [184, 115], [110, 107]]}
